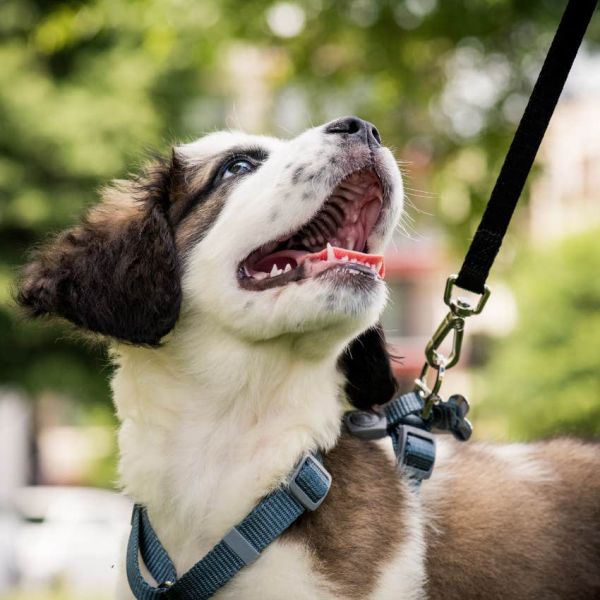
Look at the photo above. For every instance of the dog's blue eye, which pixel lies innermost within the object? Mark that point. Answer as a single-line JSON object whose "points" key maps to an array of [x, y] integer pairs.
{"points": [[237, 167]]}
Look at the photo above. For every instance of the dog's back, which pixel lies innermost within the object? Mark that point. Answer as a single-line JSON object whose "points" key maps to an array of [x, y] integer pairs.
{"points": [[500, 522], [514, 522]]}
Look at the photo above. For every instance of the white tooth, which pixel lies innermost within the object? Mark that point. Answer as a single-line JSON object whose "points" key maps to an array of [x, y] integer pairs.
{"points": [[353, 260], [344, 258], [288, 267], [330, 252], [260, 275], [379, 265], [274, 271]]}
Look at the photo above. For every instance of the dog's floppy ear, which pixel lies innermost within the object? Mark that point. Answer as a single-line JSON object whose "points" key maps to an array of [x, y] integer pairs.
{"points": [[117, 273], [366, 365]]}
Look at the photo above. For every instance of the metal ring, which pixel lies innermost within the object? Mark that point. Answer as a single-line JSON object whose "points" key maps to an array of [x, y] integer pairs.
{"points": [[461, 307]]}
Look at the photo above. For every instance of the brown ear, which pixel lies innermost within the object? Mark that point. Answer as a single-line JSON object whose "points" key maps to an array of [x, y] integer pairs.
{"points": [[367, 367], [117, 273]]}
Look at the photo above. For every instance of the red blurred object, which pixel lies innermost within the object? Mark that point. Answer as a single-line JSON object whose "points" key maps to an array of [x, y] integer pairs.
{"points": [[402, 265]]}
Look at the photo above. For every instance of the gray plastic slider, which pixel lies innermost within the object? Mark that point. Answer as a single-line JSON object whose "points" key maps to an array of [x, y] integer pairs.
{"points": [[366, 424]]}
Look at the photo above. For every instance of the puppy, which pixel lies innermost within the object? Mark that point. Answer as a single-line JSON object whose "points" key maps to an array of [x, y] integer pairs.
{"points": [[229, 282]]}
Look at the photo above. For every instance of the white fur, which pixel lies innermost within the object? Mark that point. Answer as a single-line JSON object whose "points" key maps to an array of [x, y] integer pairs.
{"points": [[404, 578], [247, 381], [523, 462]]}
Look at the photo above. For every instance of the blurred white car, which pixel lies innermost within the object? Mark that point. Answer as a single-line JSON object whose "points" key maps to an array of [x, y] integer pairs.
{"points": [[70, 534]]}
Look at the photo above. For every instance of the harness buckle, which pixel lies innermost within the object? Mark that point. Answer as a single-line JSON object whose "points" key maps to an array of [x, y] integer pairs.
{"points": [[415, 451], [314, 478]]}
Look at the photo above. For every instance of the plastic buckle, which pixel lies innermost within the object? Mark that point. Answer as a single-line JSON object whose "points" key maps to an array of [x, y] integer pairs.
{"points": [[452, 416], [415, 451], [366, 424], [298, 493]]}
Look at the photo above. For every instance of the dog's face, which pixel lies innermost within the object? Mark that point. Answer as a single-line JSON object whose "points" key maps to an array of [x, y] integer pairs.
{"points": [[264, 267], [265, 237]]}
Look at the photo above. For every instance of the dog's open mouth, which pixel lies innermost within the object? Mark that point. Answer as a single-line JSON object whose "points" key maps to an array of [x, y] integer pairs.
{"points": [[334, 239]]}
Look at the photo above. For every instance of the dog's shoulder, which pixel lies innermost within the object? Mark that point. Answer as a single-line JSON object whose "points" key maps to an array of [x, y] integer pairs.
{"points": [[366, 519]]}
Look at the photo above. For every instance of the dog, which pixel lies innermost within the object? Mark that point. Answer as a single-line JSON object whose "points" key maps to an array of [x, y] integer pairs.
{"points": [[238, 284]]}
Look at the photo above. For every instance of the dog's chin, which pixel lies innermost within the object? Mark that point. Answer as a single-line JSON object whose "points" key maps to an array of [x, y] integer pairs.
{"points": [[317, 316]]}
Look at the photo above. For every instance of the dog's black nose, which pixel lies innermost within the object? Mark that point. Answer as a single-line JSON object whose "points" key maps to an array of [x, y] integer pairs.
{"points": [[353, 126]]}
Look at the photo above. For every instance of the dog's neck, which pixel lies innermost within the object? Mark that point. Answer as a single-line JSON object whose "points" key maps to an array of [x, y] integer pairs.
{"points": [[205, 434]]}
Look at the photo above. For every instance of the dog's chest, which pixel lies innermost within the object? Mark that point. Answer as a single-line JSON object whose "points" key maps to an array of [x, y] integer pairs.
{"points": [[365, 541]]}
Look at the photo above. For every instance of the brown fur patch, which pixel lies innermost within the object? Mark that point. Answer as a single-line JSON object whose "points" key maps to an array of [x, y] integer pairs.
{"points": [[359, 526], [498, 534], [117, 273], [199, 219]]}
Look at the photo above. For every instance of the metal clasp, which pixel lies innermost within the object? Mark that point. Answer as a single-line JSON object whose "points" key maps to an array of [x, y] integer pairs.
{"points": [[453, 323], [430, 391]]}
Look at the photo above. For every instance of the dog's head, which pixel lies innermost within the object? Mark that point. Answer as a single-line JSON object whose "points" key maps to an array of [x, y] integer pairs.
{"points": [[266, 238]]}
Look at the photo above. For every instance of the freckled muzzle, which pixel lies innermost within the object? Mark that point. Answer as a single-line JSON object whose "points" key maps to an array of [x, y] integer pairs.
{"points": [[335, 238]]}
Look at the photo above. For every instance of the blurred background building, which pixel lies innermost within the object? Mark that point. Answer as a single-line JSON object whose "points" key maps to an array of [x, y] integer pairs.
{"points": [[88, 87]]}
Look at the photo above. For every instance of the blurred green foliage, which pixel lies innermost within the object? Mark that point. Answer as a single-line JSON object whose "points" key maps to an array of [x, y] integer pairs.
{"points": [[544, 379], [88, 86]]}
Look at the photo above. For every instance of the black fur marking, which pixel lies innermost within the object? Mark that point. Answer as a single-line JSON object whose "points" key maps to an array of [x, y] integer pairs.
{"points": [[183, 202], [366, 365], [296, 175], [115, 274]]}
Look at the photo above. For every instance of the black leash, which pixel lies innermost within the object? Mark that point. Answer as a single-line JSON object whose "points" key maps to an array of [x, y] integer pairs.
{"points": [[521, 154], [496, 218]]}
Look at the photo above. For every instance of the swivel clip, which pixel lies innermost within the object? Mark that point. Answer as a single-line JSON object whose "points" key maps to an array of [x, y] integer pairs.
{"points": [[452, 324]]}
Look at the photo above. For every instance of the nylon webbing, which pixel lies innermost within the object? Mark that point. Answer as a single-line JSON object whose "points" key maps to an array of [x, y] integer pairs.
{"points": [[524, 147], [243, 543]]}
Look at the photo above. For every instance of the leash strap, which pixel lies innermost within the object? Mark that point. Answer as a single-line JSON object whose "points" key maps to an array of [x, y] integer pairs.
{"points": [[307, 487], [521, 154]]}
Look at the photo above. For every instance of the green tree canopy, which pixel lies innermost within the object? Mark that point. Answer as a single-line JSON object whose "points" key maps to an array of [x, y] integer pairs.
{"points": [[88, 86]]}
